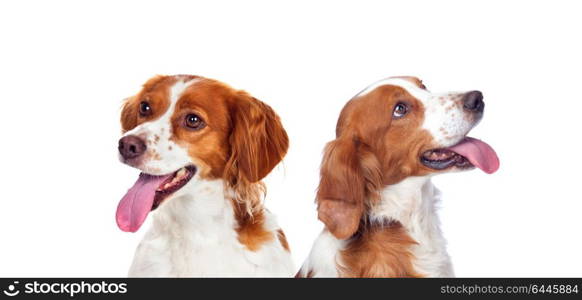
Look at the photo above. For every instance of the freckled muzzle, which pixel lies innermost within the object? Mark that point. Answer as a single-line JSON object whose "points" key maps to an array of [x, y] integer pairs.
{"points": [[469, 152]]}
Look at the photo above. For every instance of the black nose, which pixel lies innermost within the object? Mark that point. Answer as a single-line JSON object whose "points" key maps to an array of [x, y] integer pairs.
{"points": [[131, 146], [473, 101]]}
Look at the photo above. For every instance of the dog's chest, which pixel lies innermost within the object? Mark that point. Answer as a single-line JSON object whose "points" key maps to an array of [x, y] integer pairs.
{"points": [[206, 249], [412, 203], [203, 256], [196, 236], [327, 260]]}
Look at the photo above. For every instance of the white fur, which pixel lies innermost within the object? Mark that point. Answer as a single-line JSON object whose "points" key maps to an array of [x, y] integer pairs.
{"points": [[324, 257], [194, 230], [444, 118], [193, 235], [412, 202], [163, 156]]}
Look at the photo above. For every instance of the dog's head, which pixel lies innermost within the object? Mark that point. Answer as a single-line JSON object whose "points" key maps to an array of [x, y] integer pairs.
{"points": [[181, 129], [394, 129]]}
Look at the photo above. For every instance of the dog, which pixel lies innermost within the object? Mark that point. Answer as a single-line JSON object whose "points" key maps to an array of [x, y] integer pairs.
{"points": [[375, 194], [202, 148]]}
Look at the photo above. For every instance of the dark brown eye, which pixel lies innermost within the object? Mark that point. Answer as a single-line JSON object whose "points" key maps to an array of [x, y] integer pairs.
{"points": [[400, 110], [194, 122], [145, 109]]}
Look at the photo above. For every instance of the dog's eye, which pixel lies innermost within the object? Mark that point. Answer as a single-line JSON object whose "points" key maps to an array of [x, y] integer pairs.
{"points": [[145, 109], [194, 122], [400, 110]]}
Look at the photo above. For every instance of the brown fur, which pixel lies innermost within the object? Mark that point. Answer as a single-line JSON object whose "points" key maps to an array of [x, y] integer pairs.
{"points": [[372, 150], [379, 251], [154, 91], [258, 143], [308, 275], [243, 140], [209, 146], [251, 231], [283, 239], [349, 175]]}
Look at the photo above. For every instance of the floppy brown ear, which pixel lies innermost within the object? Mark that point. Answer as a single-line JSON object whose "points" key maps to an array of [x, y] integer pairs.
{"points": [[350, 176], [258, 141]]}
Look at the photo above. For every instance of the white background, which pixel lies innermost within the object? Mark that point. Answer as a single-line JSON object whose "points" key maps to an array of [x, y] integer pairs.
{"points": [[66, 66]]}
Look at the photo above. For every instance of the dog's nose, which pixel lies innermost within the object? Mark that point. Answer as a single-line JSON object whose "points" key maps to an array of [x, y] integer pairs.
{"points": [[131, 146], [473, 101]]}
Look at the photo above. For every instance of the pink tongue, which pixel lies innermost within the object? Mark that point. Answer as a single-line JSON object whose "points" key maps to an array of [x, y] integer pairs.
{"points": [[478, 153], [137, 203]]}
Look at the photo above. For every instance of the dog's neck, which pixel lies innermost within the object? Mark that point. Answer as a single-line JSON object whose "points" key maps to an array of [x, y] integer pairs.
{"points": [[202, 209], [412, 202], [408, 202]]}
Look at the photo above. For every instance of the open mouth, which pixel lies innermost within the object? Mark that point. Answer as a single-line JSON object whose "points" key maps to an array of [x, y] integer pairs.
{"points": [[468, 153], [148, 192], [440, 159], [173, 184]]}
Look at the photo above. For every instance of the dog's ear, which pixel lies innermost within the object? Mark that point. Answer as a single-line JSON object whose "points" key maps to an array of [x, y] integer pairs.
{"points": [[258, 141], [128, 114], [350, 177]]}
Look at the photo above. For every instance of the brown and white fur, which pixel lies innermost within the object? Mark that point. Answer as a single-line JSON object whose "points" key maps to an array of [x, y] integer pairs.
{"points": [[215, 225], [375, 196]]}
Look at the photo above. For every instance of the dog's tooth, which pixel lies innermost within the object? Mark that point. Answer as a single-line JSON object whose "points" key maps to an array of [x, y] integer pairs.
{"points": [[181, 173]]}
